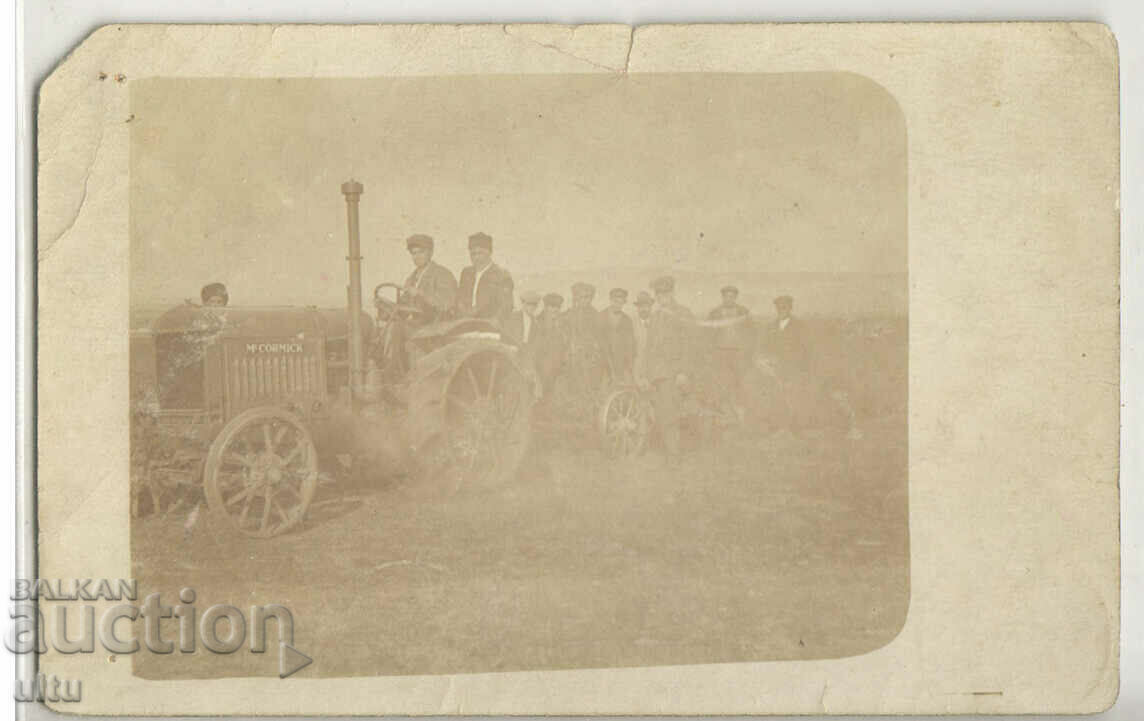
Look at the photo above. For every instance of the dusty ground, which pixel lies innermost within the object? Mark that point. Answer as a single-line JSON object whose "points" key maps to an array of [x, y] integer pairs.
{"points": [[779, 547]]}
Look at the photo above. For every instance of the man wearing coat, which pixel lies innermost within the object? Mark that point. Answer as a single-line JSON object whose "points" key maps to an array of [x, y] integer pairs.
{"points": [[486, 288], [669, 342], [644, 305], [787, 349], [785, 342], [587, 361], [431, 287], [731, 337], [619, 337], [521, 329], [549, 344], [584, 370]]}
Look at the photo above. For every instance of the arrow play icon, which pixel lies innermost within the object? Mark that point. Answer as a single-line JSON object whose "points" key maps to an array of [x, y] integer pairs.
{"points": [[291, 660]]}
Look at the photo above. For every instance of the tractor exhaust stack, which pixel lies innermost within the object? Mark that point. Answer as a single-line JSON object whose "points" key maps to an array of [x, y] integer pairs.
{"points": [[353, 190]]}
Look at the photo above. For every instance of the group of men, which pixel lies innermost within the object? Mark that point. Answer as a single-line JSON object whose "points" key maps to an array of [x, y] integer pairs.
{"points": [[589, 349]]}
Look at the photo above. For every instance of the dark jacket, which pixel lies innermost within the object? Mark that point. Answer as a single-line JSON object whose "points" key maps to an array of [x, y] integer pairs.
{"points": [[734, 337], [548, 347], [494, 294], [581, 326], [788, 347], [670, 339], [619, 342], [438, 290]]}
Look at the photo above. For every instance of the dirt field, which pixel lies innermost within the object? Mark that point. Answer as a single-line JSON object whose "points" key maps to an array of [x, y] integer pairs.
{"points": [[757, 548]]}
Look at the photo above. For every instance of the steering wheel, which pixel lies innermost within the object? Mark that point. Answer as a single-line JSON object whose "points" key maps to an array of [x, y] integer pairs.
{"points": [[389, 308]]}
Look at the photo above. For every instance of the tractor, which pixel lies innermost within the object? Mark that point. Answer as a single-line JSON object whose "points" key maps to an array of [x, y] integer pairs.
{"points": [[252, 403]]}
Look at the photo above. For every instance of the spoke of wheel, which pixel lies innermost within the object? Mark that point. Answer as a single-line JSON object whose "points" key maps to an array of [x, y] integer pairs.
{"points": [[465, 405], [280, 434], [623, 405], [492, 378], [266, 437], [266, 501], [507, 419], [473, 380], [290, 487], [631, 409], [292, 455], [241, 459], [240, 496], [281, 514], [614, 416], [245, 509], [232, 479]]}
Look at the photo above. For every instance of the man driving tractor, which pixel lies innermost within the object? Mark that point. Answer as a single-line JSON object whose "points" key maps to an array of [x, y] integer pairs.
{"points": [[431, 287], [427, 296]]}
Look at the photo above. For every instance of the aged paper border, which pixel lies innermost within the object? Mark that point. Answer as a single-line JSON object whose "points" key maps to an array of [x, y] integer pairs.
{"points": [[1013, 231]]}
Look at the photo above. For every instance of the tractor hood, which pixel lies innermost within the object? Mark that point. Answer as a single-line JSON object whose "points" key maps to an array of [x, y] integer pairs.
{"points": [[255, 321]]}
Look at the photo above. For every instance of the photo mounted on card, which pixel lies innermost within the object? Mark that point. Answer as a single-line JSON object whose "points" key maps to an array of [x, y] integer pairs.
{"points": [[536, 369]]}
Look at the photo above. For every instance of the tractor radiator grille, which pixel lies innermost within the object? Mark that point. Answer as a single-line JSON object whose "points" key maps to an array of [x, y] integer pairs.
{"points": [[266, 373], [268, 377]]}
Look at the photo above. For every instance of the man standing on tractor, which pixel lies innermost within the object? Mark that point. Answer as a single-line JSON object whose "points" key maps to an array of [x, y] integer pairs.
{"points": [[668, 366], [486, 288], [431, 287]]}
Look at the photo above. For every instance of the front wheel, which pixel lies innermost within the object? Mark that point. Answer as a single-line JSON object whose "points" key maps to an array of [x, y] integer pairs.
{"points": [[262, 471]]}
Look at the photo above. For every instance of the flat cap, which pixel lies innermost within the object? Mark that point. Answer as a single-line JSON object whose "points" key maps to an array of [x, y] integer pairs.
{"points": [[618, 293], [729, 289], [644, 298], [530, 296], [583, 289], [481, 240], [419, 240], [554, 299], [665, 284], [784, 300]]}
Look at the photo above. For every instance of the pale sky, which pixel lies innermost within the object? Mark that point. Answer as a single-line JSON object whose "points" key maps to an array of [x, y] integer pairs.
{"points": [[239, 180]]}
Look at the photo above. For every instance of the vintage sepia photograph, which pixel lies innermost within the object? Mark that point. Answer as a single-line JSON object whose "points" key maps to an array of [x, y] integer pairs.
{"points": [[532, 369], [522, 372]]}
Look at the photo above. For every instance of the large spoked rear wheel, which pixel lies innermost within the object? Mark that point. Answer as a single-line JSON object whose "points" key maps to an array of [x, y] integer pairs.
{"points": [[488, 406], [623, 423], [262, 471]]}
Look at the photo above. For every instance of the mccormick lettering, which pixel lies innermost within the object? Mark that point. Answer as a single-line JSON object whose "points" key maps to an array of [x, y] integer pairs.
{"points": [[273, 347]]}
